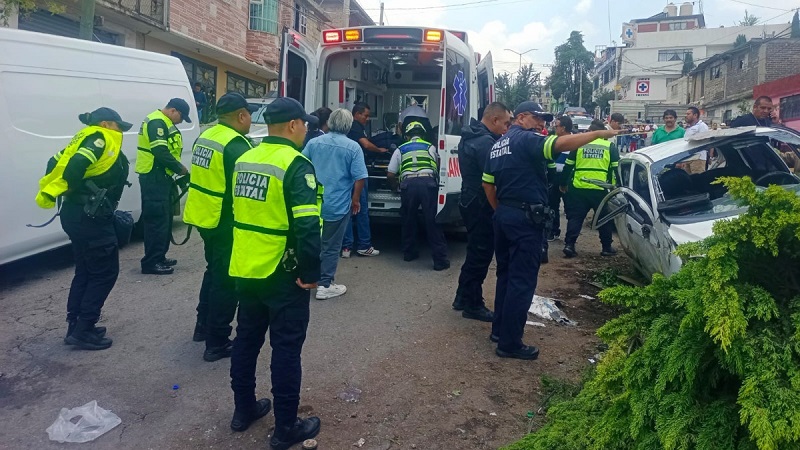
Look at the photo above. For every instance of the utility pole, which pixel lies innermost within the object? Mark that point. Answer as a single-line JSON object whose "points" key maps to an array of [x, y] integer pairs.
{"points": [[580, 87], [380, 22], [87, 20], [520, 54]]}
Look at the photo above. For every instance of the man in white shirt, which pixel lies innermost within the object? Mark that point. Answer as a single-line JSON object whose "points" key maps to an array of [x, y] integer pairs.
{"points": [[693, 123]]}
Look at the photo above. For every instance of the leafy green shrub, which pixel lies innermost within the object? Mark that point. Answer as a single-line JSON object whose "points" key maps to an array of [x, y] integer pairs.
{"points": [[706, 359]]}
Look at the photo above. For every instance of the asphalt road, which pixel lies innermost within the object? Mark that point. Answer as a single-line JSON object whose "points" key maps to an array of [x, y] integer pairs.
{"points": [[427, 377]]}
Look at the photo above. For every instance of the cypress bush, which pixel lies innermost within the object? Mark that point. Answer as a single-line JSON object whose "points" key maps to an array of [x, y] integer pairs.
{"points": [[706, 359]]}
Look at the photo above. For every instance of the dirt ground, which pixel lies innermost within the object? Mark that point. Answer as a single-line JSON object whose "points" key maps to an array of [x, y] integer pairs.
{"points": [[389, 363]]}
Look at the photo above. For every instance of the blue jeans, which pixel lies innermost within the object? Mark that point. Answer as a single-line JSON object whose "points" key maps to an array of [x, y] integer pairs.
{"points": [[362, 225], [332, 234]]}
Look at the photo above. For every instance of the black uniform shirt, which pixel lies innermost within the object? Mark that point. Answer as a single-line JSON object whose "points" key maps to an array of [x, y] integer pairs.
{"points": [[517, 166], [157, 130]]}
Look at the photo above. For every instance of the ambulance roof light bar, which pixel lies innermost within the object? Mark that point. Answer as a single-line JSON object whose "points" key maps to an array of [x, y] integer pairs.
{"points": [[341, 36]]}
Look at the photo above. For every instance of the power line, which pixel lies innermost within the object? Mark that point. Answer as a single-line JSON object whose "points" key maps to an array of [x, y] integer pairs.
{"points": [[466, 5], [761, 6]]}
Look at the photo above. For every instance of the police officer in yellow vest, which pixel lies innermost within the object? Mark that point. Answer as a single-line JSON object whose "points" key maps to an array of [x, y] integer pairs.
{"points": [[598, 161], [275, 260], [157, 159], [209, 208], [416, 163], [90, 174]]}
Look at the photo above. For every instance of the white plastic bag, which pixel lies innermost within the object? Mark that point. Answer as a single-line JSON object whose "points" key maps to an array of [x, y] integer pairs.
{"points": [[82, 424]]}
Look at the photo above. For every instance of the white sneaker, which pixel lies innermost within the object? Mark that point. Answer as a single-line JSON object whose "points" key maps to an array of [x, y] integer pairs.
{"points": [[345, 253], [369, 252], [334, 290]]}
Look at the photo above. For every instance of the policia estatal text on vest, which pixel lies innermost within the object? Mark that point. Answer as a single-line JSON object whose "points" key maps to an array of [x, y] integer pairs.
{"points": [[416, 163], [209, 208], [275, 261], [598, 161], [90, 174], [157, 159]]}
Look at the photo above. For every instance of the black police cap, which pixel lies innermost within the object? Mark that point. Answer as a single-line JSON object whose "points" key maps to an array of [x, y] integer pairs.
{"points": [[286, 109], [233, 101]]}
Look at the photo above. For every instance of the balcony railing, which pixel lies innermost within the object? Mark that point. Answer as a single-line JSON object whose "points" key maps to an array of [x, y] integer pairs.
{"points": [[153, 12]]}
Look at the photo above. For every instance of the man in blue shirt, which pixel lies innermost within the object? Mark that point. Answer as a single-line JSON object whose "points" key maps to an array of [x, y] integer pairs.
{"points": [[515, 182], [340, 168]]}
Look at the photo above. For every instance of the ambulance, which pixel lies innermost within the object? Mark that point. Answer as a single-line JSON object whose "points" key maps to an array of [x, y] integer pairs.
{"points": [[392, 69]]}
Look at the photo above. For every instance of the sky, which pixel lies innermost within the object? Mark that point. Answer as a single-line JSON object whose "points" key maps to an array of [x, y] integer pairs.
{"points": [[521, 25]]}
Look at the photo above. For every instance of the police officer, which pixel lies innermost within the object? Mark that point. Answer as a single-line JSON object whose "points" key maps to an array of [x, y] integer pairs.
{"points": [[208, 207], [157, 159], [275, 260], [90, 173], [515, 183], [415, 162], [595, 161], [563, 126], [477, 140]]}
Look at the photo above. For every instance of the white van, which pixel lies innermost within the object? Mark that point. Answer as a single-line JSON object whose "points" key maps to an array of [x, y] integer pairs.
{"points": [[45, 83], [391, 68]]}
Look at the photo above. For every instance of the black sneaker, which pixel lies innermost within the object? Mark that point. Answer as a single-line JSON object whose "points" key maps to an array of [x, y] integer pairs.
{"points": [[608, 251], [242, 420], [169, 262], [483, 314], [216, 353], [527, 352], [199, 333], [100, 331], [458, 303], [410, 256], [88, 340], [569, 251], [441, 265], [494, 338], [299, 432], [158, 269]]}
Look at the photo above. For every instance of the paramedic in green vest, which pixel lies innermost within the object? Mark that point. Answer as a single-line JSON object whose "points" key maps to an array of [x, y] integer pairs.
{"points": [[209, 209], [93, 160], [276, 262], [597, 160], [157, 159], [416, 164]]}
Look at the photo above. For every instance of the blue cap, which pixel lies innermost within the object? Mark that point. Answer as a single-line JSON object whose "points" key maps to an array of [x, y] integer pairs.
{"points": [[286, 109], [233, 101], [104, 115], [182, 107]]}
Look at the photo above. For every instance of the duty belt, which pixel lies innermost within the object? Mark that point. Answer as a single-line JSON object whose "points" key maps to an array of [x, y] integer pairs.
{"points": [[417, 175], [537, 213]]}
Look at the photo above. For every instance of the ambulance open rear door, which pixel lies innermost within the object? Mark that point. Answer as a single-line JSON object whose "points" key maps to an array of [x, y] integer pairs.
{"points": [[486, 92], [298, 70]]}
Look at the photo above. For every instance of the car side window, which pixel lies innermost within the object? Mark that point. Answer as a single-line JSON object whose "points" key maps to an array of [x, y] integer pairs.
{"points": [[641, 183], [625, 173]]}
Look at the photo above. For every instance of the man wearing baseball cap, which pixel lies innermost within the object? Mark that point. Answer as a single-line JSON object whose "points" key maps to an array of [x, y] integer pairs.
{"points": [[515, 182], [209, 208], [276, 262], [157, 159]]}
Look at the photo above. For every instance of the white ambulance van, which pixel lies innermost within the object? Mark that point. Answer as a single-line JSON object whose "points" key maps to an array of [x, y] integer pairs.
{"points": [[392, 68], [45, 83]]}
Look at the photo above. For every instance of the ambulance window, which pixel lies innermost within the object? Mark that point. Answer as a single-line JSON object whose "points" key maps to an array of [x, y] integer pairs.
{"points": [[456, 93], [296, 77]]}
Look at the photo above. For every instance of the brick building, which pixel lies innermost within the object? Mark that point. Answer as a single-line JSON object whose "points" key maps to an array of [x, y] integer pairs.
{"points": [[723, 86], [226, 45]]}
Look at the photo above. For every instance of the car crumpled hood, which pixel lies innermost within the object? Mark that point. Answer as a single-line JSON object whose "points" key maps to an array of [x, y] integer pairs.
{"points": [[692, 232]]}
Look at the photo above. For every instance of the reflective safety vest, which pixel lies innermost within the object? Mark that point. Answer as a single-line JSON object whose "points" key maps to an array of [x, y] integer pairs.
{"points": [[53, 184], [414, 156], [173, 140], [593, 162], [207, 189], [261, 221]]}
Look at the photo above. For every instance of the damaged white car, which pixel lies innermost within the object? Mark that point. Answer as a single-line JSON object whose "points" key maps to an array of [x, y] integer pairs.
{"points": [[666, 194]]}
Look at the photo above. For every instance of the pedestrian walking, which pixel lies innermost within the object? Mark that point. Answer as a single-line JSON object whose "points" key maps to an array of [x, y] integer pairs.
{"points": [[598, 161], [157, 159], [415, 163], [339, 164], [275, 260], [90, 174], [515, 183], [477, 140], [209, 209]]}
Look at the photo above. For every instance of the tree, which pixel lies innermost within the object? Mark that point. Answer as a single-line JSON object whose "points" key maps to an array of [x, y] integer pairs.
{"points": [[10, 7], [688, 64], [603, 98], [795, 26], [525, 85], [749, 20], [708, 358], [741, 40], [573, 63]]}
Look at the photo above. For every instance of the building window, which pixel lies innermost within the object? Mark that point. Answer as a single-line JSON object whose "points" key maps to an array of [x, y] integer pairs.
{"points": [[206, 75], [245, 86], [715, 73], [264, 15], [674, 54], [790, 107], [675, 26], [300, 18]]}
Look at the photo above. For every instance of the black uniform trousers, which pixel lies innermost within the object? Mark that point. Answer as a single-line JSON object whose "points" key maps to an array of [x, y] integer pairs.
{"points": [[554, 199], [156, 188], [518, 249], [577, 204], [94, 245], [477, 216], [218, 300], [276, 304], [416, 192]]}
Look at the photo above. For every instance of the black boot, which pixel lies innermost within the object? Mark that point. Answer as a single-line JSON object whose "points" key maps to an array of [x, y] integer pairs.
{"points": [[199, 332], [458, 303], [286, 437], [218, 352], [85, 337], [569, 251], [100, 331], [608, 250], [481, 313], [242, 420]]}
